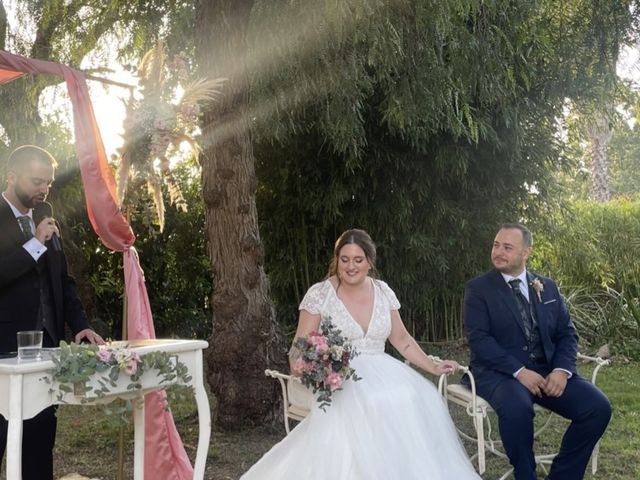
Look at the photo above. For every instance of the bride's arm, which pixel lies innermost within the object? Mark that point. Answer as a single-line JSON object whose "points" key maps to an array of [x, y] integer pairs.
{"points": [[307, 323], [402, 340]]}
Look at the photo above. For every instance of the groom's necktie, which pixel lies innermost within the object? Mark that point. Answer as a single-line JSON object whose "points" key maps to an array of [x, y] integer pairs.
{"points": [[25, 225], [529, 321]]}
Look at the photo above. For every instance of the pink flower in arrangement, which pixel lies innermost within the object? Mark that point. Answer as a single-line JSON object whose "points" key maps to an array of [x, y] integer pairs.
{"points": [[318, 341], [187, 110], [302, 365], [164, 164], [104, 355], [132, 366], [334, 380], [179, 62]]}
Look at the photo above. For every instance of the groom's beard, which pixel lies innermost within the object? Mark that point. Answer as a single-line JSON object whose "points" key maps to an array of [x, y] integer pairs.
{"points": [[503, 265]]}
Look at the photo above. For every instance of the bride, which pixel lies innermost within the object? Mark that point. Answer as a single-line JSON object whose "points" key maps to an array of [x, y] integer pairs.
{"points": [[390, 425]]}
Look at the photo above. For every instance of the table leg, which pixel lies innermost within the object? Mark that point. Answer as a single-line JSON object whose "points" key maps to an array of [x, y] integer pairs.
{"points": [[138, 439], [204, 420], [14, 432]]}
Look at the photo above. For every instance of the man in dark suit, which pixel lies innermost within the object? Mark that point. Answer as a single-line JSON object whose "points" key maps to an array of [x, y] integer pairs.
{"points": [[36, 292], [523, 351]]}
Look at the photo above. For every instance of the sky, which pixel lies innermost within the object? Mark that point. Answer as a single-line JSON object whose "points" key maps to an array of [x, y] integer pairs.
{"points": [[629, 65], [108, 102]]}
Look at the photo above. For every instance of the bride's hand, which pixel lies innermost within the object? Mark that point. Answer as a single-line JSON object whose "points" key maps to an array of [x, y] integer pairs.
{"points": [[446, 367]]}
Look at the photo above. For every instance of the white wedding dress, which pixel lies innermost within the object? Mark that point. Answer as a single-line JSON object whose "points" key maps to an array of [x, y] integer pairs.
{"points": [[391, 425]]}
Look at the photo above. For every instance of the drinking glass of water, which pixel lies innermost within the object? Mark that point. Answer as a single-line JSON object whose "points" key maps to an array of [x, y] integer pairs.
{"points": [[30, 345]]}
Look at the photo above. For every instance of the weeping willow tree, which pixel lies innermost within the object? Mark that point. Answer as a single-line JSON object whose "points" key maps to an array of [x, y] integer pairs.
{"points": [[426, 123]]}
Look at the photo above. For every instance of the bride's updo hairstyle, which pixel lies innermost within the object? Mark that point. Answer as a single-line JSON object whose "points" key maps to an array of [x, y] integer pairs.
{"points": [[357, 237]]}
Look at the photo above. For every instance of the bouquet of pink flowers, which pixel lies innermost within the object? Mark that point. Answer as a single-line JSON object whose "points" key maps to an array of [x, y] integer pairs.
{"points": [[323, 359]]}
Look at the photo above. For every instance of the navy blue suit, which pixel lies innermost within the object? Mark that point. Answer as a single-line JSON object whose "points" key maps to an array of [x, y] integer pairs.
{"points": [[499, 348], [19, 305]]}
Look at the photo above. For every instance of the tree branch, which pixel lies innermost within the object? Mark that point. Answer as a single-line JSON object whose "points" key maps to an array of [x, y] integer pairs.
{"points": [[3, 25]]}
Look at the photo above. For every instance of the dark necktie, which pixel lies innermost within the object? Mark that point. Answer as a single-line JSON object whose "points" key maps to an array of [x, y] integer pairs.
{"points": [[25, 225], [515, 286], [523, 306], [528, 320]]}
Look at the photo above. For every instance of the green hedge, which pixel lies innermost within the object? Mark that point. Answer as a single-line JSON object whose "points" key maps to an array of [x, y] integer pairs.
{"points": [[593, 252]]}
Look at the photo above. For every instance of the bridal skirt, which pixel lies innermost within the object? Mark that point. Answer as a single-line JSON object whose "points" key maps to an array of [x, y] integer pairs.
{"points": [[390, 425]]}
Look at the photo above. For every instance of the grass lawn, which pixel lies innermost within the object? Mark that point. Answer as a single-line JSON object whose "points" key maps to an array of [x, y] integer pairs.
{"points": [[620, 447], [88, 445]]}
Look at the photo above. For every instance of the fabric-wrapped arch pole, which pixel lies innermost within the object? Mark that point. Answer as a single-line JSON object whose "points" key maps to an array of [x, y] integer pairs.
{"points": [[165, 456]]}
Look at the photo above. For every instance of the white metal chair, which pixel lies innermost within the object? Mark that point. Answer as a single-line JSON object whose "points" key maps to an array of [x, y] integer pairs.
{"points": [[478, 409], [297, 400]]}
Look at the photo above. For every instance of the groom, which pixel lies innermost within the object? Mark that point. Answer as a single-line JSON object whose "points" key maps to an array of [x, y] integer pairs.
{"points": [[523, 351]]}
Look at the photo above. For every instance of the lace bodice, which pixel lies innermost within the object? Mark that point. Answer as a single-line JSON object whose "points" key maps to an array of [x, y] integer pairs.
{"points": [[321, 299]]}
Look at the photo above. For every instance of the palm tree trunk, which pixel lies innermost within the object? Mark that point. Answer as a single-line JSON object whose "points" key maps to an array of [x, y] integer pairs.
{"points": [[599, 135]]}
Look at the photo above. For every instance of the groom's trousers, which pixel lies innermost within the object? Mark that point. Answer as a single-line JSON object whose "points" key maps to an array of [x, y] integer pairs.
{"points": [[582, 403]]}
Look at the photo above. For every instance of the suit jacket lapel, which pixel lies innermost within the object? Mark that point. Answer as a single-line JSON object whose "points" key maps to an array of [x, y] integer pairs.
{"points": [[535, 301], [541, 317], [506, 295], [9, 225]]}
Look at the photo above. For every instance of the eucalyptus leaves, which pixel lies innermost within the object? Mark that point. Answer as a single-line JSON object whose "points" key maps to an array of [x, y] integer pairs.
{"points": [[93, 372]]}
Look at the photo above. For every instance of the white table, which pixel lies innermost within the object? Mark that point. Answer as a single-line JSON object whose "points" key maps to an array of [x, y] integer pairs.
{"points": [[23, 394]]}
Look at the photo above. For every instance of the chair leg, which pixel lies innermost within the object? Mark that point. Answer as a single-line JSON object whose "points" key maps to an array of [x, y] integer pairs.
{"points": [[479, 424], [506, 474], [286, 421], [594, 458]]}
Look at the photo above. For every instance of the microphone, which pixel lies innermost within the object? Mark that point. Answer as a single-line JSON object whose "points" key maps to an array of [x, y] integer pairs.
{"points": [[41, 211]]}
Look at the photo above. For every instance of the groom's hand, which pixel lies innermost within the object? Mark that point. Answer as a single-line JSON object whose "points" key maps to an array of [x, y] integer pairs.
{"points": [[555, 384], [533, 381]]}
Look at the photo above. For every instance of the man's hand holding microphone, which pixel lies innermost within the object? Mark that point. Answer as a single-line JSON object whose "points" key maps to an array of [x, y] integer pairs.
{"points": [[46, 226]]}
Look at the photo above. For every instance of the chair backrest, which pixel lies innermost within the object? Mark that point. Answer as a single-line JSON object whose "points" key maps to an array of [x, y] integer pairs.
{"points": [[297, 399], [299, 395]]}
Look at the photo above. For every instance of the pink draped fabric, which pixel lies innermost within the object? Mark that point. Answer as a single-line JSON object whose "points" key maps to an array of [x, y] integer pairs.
{"points": [[165, 456]]}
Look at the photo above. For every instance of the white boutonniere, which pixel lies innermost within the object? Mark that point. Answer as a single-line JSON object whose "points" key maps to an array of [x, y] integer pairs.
{"points": [[538, 286]]}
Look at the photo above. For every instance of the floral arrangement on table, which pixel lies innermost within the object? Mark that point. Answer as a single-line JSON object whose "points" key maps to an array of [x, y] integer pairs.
{"points": [[156, 125], [323, 359], [76, 364]]}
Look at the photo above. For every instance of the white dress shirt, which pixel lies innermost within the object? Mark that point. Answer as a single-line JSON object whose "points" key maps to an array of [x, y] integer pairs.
{"points": [[33, 245]]}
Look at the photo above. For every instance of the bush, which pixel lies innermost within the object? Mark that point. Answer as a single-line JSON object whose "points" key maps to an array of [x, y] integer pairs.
{"points": [[593, 253]]}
